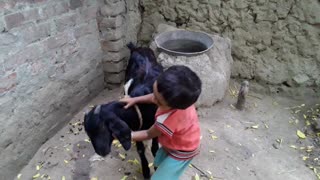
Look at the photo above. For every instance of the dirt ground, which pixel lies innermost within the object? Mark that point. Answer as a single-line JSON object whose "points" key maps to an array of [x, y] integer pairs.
{"points": [[258, 143]]}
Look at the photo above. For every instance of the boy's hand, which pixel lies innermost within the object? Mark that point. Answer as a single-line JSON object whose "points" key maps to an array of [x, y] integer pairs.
{"points": [[130, 102]]}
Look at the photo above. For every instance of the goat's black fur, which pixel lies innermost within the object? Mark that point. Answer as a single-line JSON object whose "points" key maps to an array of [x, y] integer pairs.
{"points": [[106, 120]]}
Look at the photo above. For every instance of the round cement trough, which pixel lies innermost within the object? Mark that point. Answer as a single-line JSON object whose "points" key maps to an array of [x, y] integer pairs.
{"points": [[184, 43]]}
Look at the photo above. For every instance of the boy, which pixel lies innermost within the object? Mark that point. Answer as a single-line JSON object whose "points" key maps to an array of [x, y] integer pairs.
{"points": [[175, 91]]}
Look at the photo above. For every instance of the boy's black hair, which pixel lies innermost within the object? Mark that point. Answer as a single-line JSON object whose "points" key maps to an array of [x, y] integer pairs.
{"points": [[179, 86]]}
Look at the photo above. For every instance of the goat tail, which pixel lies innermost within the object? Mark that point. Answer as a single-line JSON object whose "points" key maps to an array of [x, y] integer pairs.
{"points": [[131, 46]]}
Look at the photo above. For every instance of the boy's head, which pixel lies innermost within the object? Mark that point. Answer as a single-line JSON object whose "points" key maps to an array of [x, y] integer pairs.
{"points": [[178, 87]]}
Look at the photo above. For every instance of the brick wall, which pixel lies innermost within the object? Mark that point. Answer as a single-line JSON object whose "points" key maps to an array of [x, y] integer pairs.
{"points": [[119, 22], [50, 65]]}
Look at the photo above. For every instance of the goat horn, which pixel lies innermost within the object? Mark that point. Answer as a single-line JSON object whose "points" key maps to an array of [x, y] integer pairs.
{"points": [[97, 110]]}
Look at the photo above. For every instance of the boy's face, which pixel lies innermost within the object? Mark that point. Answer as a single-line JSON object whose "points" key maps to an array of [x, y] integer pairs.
{"points": [[158, 99]]}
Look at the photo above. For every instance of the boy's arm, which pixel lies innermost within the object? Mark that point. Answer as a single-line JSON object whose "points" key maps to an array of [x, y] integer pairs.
{"points": [[140, 99], [145, 134]]}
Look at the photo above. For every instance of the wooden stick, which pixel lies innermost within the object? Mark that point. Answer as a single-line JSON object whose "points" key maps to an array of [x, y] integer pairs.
{"points": [[203, 173]]}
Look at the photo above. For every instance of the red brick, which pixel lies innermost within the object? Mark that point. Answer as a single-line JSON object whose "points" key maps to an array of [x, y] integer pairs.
{"points": [[56, 41], [29, 53], [8, 83], [30, 33], [85, 29], [88, 13], [31, 15], [52, 10], [13, 20], [65, 22]]}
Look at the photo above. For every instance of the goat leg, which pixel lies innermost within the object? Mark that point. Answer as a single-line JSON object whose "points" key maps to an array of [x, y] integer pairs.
{"points": [[144, 161], [154, 148]]}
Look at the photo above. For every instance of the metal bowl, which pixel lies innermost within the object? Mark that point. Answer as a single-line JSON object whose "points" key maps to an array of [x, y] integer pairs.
{"points": [[184, 43]]}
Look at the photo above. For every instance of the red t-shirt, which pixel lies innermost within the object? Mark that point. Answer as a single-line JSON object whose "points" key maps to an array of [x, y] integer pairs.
{"points": [[180, 132]]}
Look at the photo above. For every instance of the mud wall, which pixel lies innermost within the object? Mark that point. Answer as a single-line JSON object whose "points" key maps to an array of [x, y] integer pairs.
{"points": [[273, 41]]}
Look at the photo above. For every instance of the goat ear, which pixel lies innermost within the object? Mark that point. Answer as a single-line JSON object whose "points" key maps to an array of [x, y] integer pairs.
{"points": [[121, 131]]}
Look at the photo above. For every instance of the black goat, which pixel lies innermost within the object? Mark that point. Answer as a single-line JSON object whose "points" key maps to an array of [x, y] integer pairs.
{"points": [[108, 120]]}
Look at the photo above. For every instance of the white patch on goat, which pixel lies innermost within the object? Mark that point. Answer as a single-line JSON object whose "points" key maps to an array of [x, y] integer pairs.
{"points": [[127, 86]]}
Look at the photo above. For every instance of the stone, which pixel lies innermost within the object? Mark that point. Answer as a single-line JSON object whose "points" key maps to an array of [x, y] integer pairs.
{"points": [[169, 13], [301, 79], [213, 68]]}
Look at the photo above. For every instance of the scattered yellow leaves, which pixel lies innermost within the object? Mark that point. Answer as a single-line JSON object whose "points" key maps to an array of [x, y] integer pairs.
{"points": [[305, 158], [124, 177], [63, 178], [139, 170], [190, 165], [301, 134], [213, 137], [122, 156], [38, 167], [211, 131], [233, 92], [308, 123], [255, 126], [94, 178], [36, 176], [212, 151], [87, 140], [209, 172], [293, 146], [115, 142], [65, 161], [266, 126], [150, 165], [135, 161], [19, 176], [196, 177]]}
